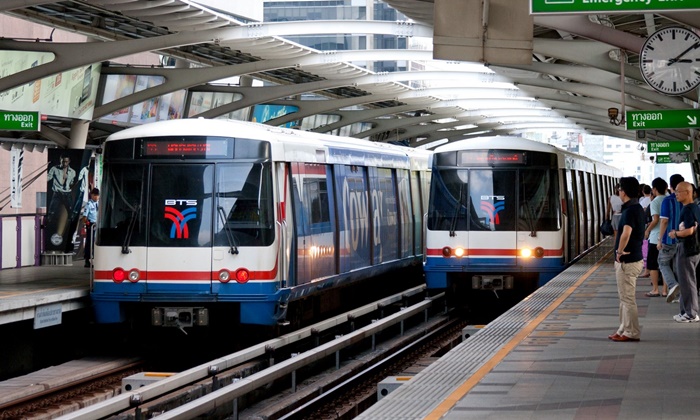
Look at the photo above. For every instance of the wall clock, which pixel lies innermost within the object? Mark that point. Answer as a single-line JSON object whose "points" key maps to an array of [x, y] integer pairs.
{"points": [[670, 60]]}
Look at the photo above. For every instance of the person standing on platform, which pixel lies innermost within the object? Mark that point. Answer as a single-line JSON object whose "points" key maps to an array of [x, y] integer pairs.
{"points": [[90, 220], [645, 198], [668, 219], [614, 209], [687, 254], [659, 187], [628, 259]]}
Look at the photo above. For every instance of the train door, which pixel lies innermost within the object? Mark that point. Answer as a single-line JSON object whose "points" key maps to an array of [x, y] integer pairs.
{"points": [[571, 209], [493, 205], [180, 240], [314, 222]]}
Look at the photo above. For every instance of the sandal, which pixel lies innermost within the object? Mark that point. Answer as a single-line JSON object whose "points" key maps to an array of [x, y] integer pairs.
{"points": [[664, 295], [649, 294]]}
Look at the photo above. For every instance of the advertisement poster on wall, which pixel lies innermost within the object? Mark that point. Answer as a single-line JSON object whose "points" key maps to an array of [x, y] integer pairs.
{"points": [[69, 94], [68, 184]]}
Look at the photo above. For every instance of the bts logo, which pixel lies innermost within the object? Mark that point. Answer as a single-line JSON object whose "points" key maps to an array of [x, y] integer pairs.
{"points": [[180, 230], [492, 210]]}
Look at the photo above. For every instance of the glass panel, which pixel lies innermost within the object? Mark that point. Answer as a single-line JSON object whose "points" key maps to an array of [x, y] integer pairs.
{"points": [[244, 205], [384, 212], [122, 221], [492, 200], [181, 205], [539, 201]]}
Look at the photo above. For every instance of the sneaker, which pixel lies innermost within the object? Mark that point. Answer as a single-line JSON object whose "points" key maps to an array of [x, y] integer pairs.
{"points": [[673, 293], [686, 318], [676, 300]]}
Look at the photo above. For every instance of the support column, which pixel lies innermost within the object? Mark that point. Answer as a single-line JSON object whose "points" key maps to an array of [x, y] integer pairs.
{"points": [[78, 134]]}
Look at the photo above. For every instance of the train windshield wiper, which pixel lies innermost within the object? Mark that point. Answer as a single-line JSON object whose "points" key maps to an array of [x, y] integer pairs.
{"points": [[229, 234], [458, 207], [130, 230], [531, 220]]}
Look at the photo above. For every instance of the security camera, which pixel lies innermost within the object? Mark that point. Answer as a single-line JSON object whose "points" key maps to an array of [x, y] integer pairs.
{"points": [[651, 158], [613, 113]]}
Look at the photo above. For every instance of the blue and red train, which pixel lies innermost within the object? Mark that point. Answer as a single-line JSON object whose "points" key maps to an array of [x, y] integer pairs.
{"points": [[204, 219], [508, 214]]}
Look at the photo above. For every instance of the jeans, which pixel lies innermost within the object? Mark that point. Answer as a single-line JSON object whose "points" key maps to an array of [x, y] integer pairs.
{"points": [[666, 255]]}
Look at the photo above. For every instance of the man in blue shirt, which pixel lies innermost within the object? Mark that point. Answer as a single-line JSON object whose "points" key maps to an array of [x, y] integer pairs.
{"points": [[90, 218], [668, 220]]}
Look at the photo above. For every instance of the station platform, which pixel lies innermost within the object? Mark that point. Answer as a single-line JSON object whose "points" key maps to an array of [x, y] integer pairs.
{"points": [[28, 291], [549, 357]]}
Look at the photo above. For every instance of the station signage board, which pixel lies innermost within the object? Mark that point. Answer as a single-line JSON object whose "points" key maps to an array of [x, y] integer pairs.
{"points": [[663, 119], [670, 146], [610, 6], [673, 158], [20, 120]]}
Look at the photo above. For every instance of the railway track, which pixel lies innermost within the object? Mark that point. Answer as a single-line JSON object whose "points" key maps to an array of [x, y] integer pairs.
{"points": [[278, 376], [49, 392]]}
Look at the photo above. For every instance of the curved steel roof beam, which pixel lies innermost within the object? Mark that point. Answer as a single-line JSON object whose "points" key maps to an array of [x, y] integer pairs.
{"points": [[582, 26], [602, 78], [125, 6]]}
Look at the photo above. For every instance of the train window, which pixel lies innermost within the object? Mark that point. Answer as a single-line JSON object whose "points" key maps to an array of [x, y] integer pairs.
{"points": [[181, 205], [244, 205], [122, 221], [476, 199], [492, 197], [538, 209], [316, 194]]}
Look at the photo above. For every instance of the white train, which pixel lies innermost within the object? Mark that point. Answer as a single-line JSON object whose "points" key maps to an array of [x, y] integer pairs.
{"points": [[510, 213], [222, 221]]}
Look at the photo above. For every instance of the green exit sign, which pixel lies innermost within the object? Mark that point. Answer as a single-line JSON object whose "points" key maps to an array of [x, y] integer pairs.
{"points": [[673, 158], [665, 146], [610, 6], [663, 119], [20, 121]]}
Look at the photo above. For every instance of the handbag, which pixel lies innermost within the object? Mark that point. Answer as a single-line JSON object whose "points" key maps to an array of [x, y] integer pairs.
{"points": [[606, 228]]}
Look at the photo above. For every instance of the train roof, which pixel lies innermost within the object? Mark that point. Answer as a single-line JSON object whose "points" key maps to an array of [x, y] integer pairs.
{"points": [[344, 150], [521, 143]]}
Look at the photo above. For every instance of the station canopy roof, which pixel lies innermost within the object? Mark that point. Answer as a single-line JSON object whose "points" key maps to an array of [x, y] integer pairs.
{"points": [[581, 66]]}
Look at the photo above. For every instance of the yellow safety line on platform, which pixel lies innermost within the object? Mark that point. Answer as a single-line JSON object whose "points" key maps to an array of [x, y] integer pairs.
{"points": [[463, 389], [29, 292]]}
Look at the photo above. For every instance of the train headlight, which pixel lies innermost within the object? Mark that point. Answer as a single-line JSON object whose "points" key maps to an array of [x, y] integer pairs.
{"points": [[134, 275], [242, 275], [118, 275], [224, 276], [526, 253], [459, 252]]}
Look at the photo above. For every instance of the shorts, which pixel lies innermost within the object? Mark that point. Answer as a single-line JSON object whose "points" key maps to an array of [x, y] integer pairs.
{"points": [[652, 257]]}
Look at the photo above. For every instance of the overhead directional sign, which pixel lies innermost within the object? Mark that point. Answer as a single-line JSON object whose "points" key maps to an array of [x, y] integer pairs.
{"points": [[20, 121], [665, 118], [610, 6], [673, 158], [665, 146]]}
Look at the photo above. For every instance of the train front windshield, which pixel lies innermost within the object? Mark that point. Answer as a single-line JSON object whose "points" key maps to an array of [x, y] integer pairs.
{"points": [[190, 203], [494, 199]]}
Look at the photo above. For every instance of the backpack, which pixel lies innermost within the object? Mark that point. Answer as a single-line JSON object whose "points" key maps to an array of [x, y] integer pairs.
{"points": [[647, 214]]}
